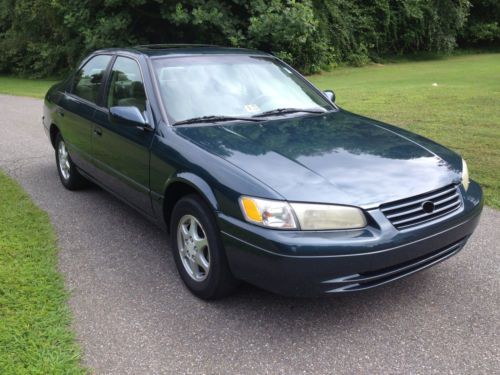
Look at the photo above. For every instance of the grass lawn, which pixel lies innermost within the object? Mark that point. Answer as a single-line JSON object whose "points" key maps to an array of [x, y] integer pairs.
{"points": [[461, 112], [24, 87], [35, 333]]}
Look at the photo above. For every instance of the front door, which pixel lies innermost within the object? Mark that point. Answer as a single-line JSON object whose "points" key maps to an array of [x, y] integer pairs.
{"points": [[121, 151]]}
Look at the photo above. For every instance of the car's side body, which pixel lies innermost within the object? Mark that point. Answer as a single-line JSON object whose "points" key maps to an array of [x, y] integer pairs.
{"points": [[159, 152], [151, 167]]}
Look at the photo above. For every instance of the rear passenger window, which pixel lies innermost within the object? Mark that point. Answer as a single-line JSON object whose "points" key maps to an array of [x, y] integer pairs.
{"points": [[126, 88], [88, 80]]}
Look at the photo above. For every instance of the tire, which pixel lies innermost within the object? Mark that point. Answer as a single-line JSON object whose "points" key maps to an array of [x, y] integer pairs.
{"points": [[68, 173], [198, 251]]}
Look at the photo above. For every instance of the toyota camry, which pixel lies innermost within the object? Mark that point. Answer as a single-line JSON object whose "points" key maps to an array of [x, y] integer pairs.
{"points": [[256, 174]]}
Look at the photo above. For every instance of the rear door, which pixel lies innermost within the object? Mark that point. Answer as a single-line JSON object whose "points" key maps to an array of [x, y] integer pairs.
{"points": [[121, 152], [77, 108]]}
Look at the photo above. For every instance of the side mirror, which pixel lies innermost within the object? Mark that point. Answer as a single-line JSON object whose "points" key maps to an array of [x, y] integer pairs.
{"points": [[330, 95], [129, 115]]}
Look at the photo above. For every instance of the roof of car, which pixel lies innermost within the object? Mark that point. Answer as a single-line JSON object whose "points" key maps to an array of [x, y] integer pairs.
{"points": [[185, 49]]}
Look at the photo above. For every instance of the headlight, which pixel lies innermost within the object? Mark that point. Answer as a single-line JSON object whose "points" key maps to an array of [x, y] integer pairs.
{"points": [[274, 214], [279, 214], [465, 175], [322, 216]]}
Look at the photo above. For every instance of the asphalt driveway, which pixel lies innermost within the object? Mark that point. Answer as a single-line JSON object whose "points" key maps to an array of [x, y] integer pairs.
{"points": [[133, 315]]}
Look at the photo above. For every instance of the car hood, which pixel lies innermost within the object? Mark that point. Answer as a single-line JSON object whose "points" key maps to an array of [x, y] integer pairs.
{"points": [[337, 157]]}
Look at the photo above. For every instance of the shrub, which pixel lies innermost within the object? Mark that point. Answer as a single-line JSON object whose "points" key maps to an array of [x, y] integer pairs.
{"points": [[483, 26], [45, 37]]}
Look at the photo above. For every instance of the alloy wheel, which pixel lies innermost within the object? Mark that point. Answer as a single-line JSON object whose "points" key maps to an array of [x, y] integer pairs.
{"points": [[64, 166], [194, 249]]}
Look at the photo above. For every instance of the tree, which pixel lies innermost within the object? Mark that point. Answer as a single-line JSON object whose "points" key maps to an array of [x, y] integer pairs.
{"points": [[47, 37]]}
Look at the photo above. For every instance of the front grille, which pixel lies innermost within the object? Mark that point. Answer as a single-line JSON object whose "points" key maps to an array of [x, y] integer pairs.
{"points": [[408, 212]]}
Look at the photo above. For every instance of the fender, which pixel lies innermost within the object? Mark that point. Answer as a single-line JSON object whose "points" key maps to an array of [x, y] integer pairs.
{"points": [[195, 182]]}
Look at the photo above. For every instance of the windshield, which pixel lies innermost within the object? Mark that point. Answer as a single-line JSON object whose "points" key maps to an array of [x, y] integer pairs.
{"points": [[237, 86]]}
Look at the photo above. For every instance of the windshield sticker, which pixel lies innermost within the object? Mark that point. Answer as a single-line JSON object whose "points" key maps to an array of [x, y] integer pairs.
{"points": [[252, 108]]}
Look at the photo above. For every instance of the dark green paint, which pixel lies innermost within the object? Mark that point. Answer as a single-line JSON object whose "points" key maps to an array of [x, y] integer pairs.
{"points": [[335, 158]]}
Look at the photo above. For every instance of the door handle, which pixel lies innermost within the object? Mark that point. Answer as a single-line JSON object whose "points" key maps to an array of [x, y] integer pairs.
{"points": [[98, 131], [60, 112]]}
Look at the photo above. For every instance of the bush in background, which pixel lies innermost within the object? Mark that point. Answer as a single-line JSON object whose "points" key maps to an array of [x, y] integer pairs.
{"points": [[360, 30], [44, 37], [483, 26]]}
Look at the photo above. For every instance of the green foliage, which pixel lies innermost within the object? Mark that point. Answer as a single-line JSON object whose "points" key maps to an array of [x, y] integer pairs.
{"points": [[46, 37], [32, 38], [483, 26], [35, 334], [364, 29], [75, 27], [291, 30]]}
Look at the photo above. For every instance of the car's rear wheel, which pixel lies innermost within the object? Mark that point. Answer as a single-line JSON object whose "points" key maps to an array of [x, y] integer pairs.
{"points": [[199, 255], [68, 173]]}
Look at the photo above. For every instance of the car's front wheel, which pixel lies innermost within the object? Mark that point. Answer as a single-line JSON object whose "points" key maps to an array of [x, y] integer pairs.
{"points": [[199, 255], [69, 175]]}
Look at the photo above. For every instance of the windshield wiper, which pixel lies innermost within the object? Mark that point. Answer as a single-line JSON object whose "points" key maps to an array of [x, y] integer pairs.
{"points": [[196, 120], [280, 111]]}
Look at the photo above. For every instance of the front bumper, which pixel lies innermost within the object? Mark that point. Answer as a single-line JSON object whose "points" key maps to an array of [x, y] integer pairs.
{"points": [[311, 263]]}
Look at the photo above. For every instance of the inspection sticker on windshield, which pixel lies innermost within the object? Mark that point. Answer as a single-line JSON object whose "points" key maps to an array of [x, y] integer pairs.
{"points": [[252, 108]]}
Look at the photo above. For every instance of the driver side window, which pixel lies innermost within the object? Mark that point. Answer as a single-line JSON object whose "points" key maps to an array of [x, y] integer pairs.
{"points": [[126, 86]]}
